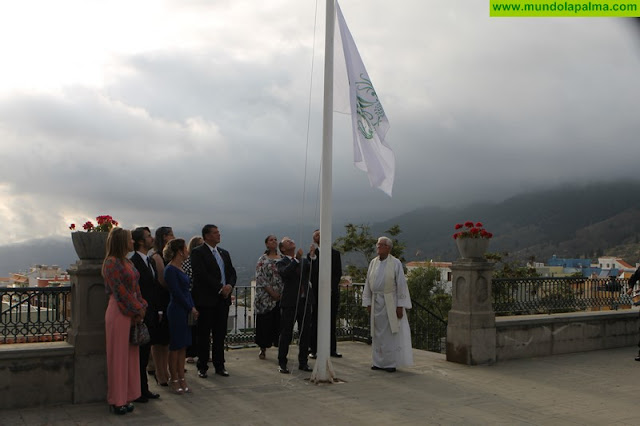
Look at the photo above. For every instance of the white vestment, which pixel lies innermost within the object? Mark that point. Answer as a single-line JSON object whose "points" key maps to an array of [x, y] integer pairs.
{"points": [[390, 349]]}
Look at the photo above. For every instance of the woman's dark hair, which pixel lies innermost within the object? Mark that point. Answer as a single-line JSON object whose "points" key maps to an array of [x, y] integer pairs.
{"points": [[266, 240], [158, 244]]}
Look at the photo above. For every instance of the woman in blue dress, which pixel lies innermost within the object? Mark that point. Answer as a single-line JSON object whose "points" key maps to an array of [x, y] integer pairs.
{"points": [[180, 305]]}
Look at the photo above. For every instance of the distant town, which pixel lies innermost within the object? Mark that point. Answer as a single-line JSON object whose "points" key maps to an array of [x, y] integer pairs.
{"points": [[604, 267]]}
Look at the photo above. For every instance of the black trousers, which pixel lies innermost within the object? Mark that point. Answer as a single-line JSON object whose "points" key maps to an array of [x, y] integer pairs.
{"points": [[144, 351], [212, 327], [313, 343], [288, 317], [268, 328]]}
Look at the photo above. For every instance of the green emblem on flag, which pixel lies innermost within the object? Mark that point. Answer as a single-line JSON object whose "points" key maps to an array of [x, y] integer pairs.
{"points": [[368, 108]]}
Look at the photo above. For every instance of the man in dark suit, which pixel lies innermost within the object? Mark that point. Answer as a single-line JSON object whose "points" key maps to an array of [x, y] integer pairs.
{"points": [[142, 243], [336, 275], [214, 278], [295, 304]]}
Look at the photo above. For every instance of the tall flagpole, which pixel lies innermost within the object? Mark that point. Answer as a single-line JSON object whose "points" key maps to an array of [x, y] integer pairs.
{"points": [[323, 370]]}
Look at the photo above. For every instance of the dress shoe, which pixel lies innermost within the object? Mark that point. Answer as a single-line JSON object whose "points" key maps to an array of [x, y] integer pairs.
{"points": [[305, 367], [142, 399], [151, 395], [202, 374], [336, 354], [222, 372], [637, 358], [375, 367], [313, 356], [283, 369], [390, 370], [129, 407], [122, 409]]}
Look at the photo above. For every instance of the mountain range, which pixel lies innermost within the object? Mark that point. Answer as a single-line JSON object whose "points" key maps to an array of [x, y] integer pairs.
{"points": [[577, 221]]}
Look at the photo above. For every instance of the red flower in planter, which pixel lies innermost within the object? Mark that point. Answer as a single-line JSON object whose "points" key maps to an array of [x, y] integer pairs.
{"points": [[105, 224], [472, 230]]}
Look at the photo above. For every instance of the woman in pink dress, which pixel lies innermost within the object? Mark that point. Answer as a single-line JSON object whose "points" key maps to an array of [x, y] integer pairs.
{"points": [[126, 307]]}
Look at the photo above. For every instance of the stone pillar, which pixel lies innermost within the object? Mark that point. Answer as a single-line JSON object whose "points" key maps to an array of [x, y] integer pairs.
{"points": [[471, 330], [86, 334]]}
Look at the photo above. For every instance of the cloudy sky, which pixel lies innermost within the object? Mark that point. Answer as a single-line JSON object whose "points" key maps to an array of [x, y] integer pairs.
{"points": [[192, 111]]}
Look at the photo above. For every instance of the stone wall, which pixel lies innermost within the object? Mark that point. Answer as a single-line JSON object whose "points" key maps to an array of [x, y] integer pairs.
{"points": [[530, 336], [36, 374]]}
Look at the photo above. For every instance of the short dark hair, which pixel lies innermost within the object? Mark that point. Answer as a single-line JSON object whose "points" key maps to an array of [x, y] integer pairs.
{"points": [[138, 236], [207, 228]]}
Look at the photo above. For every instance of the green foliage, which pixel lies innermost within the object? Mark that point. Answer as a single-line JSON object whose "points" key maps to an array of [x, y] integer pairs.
{"points": [[426, 289], [509, 268], [359, 240]]}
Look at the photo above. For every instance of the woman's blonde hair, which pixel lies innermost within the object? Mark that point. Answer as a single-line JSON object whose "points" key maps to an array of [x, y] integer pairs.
{"points": [[195, 242], [117, 244], [172, 248]]}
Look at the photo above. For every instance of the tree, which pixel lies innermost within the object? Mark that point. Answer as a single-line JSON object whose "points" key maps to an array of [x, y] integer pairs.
{"points": [[359, 240], [510, 268], [426, 288]]}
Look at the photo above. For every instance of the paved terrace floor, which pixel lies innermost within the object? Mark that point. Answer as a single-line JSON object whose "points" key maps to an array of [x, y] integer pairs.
{"points": [[591, 388]]}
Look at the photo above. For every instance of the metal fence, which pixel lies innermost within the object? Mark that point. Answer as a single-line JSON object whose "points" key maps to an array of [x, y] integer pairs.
{"points": [[524, 296], [427, 329], [44, 314], [35, 314]]}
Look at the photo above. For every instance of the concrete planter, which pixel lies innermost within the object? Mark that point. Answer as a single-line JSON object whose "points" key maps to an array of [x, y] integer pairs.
{"points": [[472, 248], [90, 245]]}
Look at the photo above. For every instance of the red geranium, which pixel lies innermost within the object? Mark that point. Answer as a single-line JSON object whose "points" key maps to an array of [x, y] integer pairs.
{"points": [[105, 224], [471, 231]]}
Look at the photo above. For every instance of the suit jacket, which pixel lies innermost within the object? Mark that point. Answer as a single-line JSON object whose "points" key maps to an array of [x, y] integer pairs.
{"points": [[207, 277], [290, 272], [336, 272], [149, 285]]}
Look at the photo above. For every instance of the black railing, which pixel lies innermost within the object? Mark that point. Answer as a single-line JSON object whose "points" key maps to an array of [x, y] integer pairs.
{"points": [[524, 296], [427, 329], [43, 314], [35, 314]]}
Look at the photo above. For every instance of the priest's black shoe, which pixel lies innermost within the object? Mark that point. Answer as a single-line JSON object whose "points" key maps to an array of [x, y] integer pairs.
{"points": [[222, 372], [283, 369], [390, 370], [305, 367], [336, 355], [151, 395], [142, 399]]}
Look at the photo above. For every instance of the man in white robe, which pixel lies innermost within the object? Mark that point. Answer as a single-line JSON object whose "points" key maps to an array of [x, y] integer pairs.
{"points": [[387, 291]]}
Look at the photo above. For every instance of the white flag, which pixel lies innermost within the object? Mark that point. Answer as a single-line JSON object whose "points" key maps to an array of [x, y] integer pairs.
{"points": [[370, 152]]}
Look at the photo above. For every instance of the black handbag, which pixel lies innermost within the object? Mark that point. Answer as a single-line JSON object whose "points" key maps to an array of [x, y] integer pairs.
{"points": [[139, 334]]}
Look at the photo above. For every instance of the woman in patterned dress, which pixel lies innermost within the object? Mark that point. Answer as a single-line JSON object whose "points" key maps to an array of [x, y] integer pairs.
{"points": [[268, 290], [126, 307], [186, 267]]}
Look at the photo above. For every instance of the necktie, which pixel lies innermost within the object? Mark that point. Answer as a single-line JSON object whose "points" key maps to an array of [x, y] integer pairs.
{"points": [[151, 267], [220, 265]]}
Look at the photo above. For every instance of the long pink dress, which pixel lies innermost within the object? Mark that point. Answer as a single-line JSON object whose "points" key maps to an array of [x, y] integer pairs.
{"points": [[125, 302]]}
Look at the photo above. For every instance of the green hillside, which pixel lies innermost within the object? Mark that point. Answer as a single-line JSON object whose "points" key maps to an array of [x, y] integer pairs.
{"points": [[573, 221]]}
